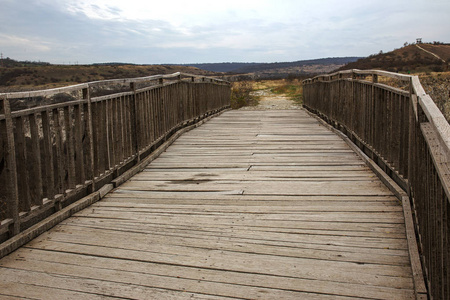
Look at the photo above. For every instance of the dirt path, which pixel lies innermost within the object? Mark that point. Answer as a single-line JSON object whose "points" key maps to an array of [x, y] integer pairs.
{"points": [[271, 101], [429, 52]]}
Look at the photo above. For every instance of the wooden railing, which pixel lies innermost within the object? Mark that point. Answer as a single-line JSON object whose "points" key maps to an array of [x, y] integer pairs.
{"points": [[392, 119], [77, 139]]}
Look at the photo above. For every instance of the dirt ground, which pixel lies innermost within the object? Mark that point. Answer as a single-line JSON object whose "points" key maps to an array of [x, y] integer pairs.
{"points": [[271, 101]]}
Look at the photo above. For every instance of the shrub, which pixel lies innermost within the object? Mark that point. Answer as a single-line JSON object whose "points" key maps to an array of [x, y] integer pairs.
{"points": [[241, 94]]}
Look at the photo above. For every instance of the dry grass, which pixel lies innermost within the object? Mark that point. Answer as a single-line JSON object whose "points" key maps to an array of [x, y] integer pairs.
{"points": [[268, 84], [292, 89], [409, 59], [241, 94]]}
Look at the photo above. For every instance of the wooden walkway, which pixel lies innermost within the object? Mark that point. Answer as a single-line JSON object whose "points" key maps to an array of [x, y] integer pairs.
{"points": [[250, 205]]}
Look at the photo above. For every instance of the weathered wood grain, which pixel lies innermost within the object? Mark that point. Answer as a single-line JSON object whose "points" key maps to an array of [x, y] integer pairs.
{"points": [[407, 136], [270, 210]]}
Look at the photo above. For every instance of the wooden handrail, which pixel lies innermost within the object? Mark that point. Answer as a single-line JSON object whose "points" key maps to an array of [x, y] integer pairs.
{"points": [[403, 131], [53, 155], [71, 88]]}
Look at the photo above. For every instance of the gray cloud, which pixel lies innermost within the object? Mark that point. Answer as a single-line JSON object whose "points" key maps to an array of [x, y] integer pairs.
{"points": [[40, 30]]}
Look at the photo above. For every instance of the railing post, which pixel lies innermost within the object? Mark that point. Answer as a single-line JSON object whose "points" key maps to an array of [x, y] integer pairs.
{"points": [[353, 102], [12, 194], [134, 122], [90, 133], [374, 78], [371, 113]]}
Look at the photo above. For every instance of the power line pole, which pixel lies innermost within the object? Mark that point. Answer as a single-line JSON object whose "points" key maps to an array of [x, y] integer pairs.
{"points": [[1, 60]]}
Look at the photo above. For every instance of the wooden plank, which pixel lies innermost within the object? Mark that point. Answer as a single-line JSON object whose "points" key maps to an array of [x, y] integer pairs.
{"points": [[32, 291], [248, 207], [356, 273], [229, 284], [280, 215], [252, 174], [81, 288], [153, 235], [267, 188]]}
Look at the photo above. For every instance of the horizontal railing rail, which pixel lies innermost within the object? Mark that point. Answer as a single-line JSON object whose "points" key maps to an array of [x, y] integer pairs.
{"points": [[391, 118], [59, 145]]}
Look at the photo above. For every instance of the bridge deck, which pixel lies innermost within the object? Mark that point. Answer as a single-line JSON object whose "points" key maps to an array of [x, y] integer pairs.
{"points": [[252, 204]]}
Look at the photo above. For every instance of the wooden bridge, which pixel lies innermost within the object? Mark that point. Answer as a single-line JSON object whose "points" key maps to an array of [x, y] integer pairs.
{"points": [[243, 204]]}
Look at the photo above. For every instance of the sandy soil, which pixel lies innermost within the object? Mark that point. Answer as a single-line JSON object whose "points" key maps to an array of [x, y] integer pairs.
{"points": [[269, 100]]}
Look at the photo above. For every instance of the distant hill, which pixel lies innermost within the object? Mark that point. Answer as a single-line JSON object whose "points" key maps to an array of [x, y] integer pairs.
{"points": [[17, 76], [10, 63], [411, 58], [222, 67], [299, 66]]}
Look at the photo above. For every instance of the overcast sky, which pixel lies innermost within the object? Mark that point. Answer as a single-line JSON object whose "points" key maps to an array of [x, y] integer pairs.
{"points": [[206, 31]]}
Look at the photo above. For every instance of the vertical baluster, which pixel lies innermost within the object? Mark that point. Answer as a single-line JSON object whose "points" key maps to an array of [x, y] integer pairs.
{"points": [[35, 163], [108, 134], [111, 133], [130, 125], [80, 176], [446, 245], [48, 170], [144, 119], [148, 117], [11, 194], [396, 127], [141, 119], [58, 158], [69, 148], [158, 112], [153, 116], [134, 122], [114, 132], [118, 129], [101, 140], [88, 139], [22, 164], [96, 131], [164, 110], [126, 129]]}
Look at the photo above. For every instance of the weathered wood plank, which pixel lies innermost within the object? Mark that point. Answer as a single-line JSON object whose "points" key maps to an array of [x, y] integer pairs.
{"points": [[153, 270], [152, 234], [265, 212], [81, 288]]}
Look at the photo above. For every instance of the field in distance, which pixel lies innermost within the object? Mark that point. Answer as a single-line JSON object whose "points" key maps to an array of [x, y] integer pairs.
{"points": [[32, 76]]}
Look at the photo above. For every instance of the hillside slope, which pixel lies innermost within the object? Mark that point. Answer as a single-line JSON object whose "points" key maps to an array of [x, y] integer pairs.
{"points": [[407, 59], [442, 50]]}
